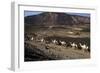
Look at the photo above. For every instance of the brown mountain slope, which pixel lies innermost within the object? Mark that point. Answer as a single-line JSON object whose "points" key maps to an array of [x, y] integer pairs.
{"points": [[52, 18]]}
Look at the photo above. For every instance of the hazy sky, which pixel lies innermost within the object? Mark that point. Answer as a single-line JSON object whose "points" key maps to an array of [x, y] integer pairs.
{"points": [[29, 13], [81, 14]]}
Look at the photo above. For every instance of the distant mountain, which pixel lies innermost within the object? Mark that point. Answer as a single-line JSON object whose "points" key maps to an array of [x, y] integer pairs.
{"points": [[52, 18]]}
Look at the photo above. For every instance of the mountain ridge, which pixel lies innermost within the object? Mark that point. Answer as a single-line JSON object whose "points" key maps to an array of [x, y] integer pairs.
{"points": [[54, 18]]}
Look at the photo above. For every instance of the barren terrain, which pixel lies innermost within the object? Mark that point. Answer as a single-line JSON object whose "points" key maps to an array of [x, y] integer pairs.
{"points": [[37, 50]]}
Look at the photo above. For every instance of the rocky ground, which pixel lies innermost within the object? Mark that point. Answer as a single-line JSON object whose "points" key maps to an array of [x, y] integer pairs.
{"points": [[35, 50]]}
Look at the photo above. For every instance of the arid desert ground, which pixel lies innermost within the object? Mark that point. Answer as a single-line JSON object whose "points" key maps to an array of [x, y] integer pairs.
{"points": [[56, 42]]}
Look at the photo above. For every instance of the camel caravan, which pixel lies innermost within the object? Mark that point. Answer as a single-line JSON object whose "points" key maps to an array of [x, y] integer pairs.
{"points": [[74, 45]]}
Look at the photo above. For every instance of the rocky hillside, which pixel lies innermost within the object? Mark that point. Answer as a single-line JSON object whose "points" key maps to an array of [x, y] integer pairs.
{"points": [[52, 18]]}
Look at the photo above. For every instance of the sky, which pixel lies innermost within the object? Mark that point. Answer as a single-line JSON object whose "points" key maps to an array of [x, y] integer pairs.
{"points": [[29, 13], [81, 14]]}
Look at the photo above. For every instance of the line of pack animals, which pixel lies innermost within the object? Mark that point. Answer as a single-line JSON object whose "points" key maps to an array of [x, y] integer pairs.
{"points": [[74, 45]]}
